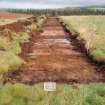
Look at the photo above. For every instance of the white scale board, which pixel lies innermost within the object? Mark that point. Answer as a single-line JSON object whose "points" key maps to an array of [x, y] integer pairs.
{"points": [[49, 86]]}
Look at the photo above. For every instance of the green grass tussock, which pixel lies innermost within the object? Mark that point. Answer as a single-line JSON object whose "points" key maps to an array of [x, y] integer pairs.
{"points": [[93, 94], [10, 42], [9, 50], [98, 55], [90, 30], [36, 25], [3, 43], [9, 61]]}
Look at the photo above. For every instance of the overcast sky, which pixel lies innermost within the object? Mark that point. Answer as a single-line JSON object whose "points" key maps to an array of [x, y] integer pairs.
{"points": [[47, 3]]}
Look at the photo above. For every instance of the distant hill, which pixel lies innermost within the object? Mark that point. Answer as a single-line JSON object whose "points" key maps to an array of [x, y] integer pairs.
{"points": [[86, 7], [96, 6]]}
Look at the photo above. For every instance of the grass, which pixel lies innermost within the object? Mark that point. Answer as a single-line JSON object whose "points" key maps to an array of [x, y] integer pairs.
{"points": [[9, 50], [9, 21], [91, 32], [93, 94], [9, 61], [10, 42], [36, 25]]}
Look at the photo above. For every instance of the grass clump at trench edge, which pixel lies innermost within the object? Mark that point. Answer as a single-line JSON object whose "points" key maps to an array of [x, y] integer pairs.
{"points": [[10, 48], [99, 55], [36, 24], [9, 61], [93, 94], [90, 30], [10, 42]]}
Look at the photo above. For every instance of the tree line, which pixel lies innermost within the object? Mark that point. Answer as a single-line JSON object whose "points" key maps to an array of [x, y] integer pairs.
{"points": [[60, 11]]}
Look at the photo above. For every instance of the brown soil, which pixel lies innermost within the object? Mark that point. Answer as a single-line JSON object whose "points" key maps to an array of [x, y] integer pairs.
{"points": [[9, 15], [52, 56], [17, 26]]}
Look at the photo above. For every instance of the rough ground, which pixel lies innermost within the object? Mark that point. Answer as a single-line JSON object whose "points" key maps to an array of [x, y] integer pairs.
{"points": [[51, 56], [18, 26], [9, 15]]}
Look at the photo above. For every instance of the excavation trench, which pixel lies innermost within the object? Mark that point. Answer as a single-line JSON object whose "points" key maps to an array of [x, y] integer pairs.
{"points": [[52, 56]]}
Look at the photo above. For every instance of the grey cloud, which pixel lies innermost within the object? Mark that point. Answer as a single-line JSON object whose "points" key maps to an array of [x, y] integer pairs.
{"points": [[47, 3]]}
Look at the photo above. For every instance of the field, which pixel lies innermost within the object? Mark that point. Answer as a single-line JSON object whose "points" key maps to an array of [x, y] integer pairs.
{"points": [[93, 94], [37, 49], [9, 15], [8, 18], [9, 21], [90, 30]]}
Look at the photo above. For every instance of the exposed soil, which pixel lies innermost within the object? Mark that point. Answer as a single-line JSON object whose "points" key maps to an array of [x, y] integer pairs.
{"points": [[9, 15], [18, 26], [51, 55]]}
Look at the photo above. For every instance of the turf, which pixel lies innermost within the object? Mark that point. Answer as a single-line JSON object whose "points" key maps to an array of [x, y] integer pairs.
{"points": [[10, 42], [20, 94], [90, 30], [9, 21]]}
